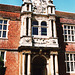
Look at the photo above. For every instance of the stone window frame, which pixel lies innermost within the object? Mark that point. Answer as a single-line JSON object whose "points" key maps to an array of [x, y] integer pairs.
{"points": [[39, 26], [70, 62], [69, 33], [43, 26], [6, 37], [4, 53], [35, 25]]}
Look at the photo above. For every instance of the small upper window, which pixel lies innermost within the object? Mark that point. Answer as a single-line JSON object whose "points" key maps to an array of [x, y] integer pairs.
{"points": [[43, 23], [3, 28], [35, 23], [35, 28], [43, 28], [69, 33]]}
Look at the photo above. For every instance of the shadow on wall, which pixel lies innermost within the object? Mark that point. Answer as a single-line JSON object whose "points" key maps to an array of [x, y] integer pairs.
{"points": [[2, 69], [62, 45]]}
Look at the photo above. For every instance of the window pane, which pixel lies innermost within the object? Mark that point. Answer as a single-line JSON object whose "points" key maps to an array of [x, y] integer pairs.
{"points": [[74, 27], [43, 31], [65, 37], [0, 27], [71, 57], [72, 32], [72, 66], [65, 27], [5, 27], [68, 67], [0, 33], [67, 57], [68, 31], [65, 31], [1, 21], [72, 38], [71, 27], [35, 31], [68, 27], [5, 21], [35, 23], [2, 55], [4, 33], [69, 38], [43, 24], [74, 57]]}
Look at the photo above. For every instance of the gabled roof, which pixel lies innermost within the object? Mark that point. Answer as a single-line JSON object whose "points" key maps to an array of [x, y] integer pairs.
{"points": [[10, 8], [65, 14]]}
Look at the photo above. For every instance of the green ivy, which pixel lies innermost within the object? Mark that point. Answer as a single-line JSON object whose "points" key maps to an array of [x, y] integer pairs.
{"points": [[1, 62]]}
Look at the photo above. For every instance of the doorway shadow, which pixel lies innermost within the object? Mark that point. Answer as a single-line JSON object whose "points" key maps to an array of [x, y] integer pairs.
{"points": [[39, 66], [2, 68]]}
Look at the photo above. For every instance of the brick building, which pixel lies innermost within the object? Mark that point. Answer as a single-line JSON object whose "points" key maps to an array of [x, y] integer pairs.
{"points": [[37, 40]]}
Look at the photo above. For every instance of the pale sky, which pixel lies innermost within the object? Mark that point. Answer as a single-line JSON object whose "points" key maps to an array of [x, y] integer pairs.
{"points": [[61, 5]]}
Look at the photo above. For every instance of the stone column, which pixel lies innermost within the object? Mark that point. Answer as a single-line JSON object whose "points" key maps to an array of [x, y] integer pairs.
{"points": [[53, 10], [39, 28], [49, 10], [29, 7], [47, 67], [25, 7], [54, 28], [50, 28], [52, 65], [21, 26], [29, 27], [56, 65], [24, 25], [28, 65], [20, 64], [23, 64]]}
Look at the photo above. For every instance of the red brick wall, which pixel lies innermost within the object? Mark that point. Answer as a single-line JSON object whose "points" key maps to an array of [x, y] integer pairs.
{"points": [[12, 63], [64, 46], [13, 36], [70, 47]]}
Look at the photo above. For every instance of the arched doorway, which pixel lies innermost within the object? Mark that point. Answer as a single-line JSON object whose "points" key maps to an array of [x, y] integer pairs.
{"points": [[39, 66]]}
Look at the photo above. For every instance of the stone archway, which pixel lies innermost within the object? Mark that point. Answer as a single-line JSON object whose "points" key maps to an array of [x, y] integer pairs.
{"points": [[39, 66]]}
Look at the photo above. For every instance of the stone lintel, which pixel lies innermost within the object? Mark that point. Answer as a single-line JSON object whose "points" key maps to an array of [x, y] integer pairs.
{"points": [[54, 52]]}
